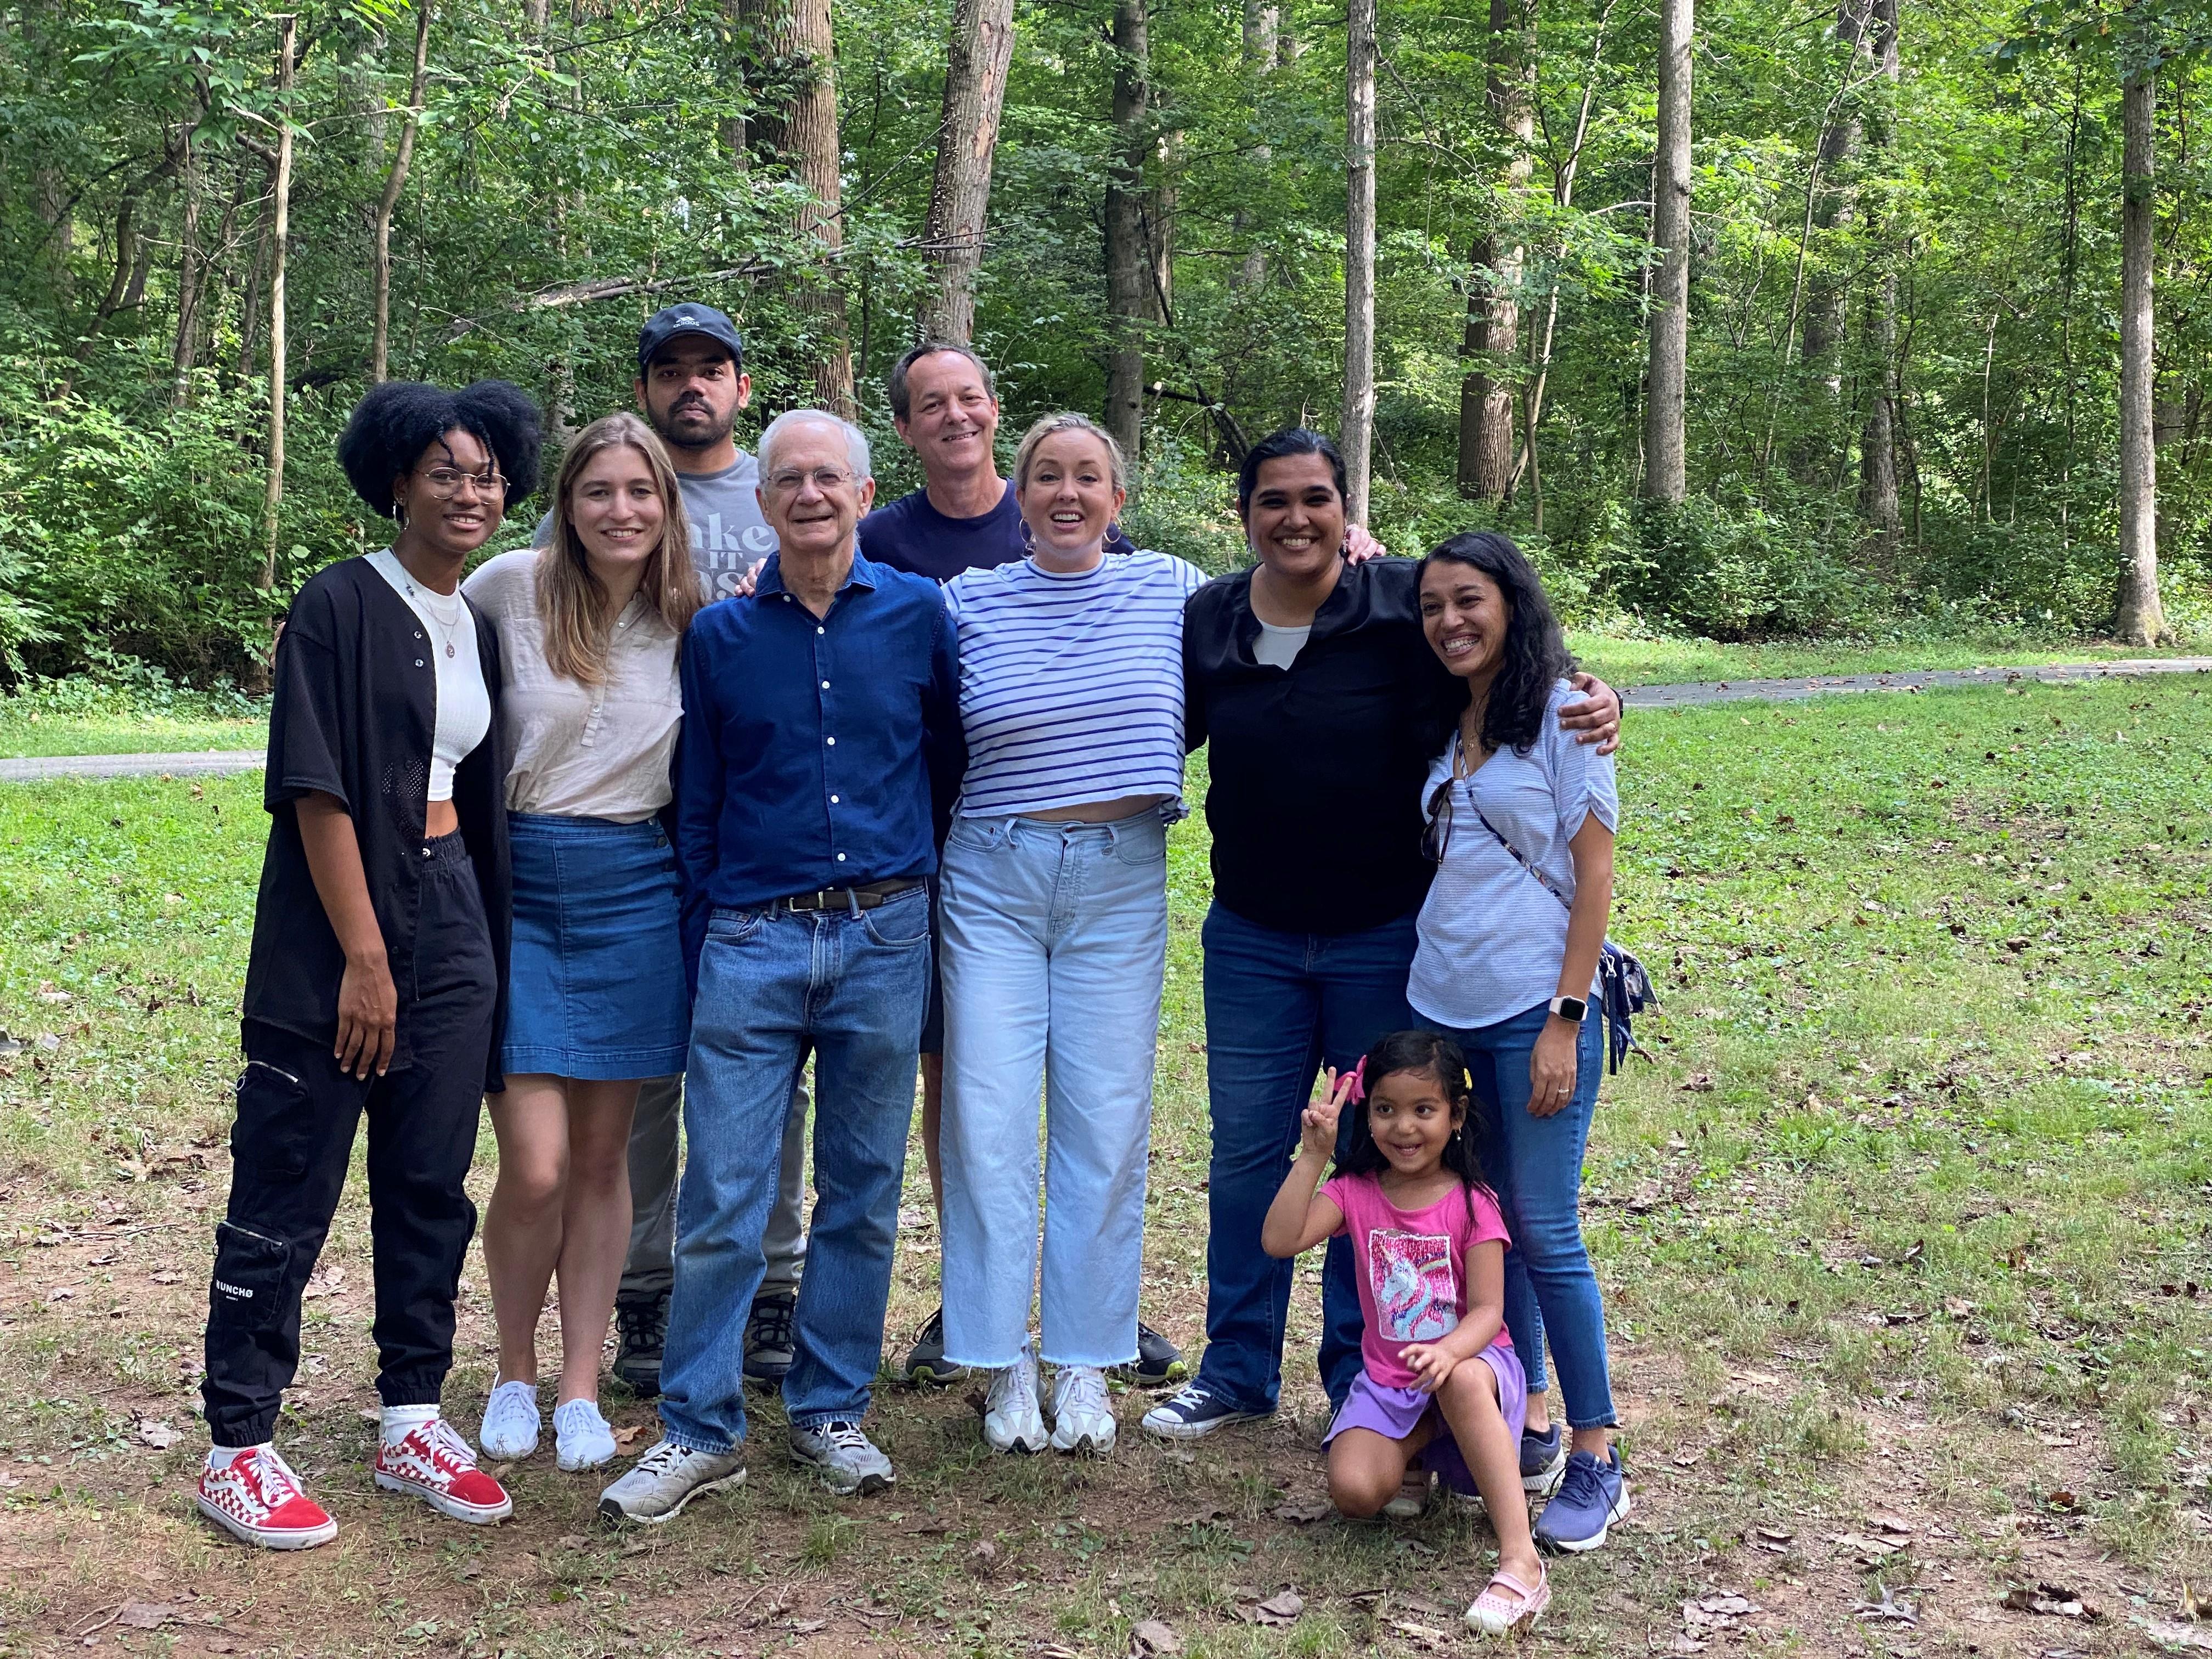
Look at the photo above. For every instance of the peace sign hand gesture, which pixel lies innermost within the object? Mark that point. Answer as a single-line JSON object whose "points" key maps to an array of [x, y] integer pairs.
{"points": [[1319, 1122]]}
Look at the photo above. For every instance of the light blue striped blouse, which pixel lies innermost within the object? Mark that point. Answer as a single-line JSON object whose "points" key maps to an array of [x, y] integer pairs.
{"points": [[1071, 687]]}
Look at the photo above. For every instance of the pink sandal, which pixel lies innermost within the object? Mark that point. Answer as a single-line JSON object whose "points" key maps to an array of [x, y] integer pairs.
{"points": [[1494, 1615]]}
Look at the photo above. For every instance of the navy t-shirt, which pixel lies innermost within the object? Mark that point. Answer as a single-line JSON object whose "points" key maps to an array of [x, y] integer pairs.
{"points": [[911, 535]]}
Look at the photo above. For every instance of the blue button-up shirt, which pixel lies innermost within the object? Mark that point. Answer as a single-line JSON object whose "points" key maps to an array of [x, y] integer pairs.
{"points": [[816, 751]]}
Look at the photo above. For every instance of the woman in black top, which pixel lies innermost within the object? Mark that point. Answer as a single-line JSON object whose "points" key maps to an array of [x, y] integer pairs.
{"points": [[1310, 679], [379, 944]]}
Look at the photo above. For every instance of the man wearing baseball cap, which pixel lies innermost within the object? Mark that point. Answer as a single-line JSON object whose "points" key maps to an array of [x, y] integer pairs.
{"points": [[692, 382]]}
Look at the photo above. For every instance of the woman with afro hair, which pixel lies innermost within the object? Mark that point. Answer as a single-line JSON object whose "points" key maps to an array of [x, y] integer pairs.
{"points": [[374, 987]]}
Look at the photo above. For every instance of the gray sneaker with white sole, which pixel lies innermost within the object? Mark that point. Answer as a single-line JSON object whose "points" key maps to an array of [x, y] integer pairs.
{"points": [[848, 1460], [669, 1476]]}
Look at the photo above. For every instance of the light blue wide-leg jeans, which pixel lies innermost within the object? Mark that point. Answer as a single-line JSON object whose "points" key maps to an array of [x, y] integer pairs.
{"points": [[771, 982], [1054, 942]]}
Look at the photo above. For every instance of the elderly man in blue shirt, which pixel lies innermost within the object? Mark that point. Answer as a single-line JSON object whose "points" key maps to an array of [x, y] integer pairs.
{"points": [[821, 747]]}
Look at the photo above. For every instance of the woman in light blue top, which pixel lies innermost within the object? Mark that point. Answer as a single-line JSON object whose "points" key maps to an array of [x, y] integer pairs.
{"points": [[1053, 938], [1520, 823]]}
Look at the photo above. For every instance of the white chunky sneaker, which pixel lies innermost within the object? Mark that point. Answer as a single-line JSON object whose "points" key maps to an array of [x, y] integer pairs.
{"points": [[1012, 1421], [256, 1496], [1081, 1416], [510, 1421], [669, 1476], [581, 1438]]}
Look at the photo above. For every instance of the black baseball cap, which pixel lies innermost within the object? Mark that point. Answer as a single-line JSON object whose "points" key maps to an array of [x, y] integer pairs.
{"points": [[679, 320]]}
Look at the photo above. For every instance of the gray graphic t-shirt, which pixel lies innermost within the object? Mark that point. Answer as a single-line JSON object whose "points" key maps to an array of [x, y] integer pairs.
{"points": [[728, 535]]}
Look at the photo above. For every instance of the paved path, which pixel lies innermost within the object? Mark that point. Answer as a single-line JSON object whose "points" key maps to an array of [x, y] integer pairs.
{"points": [[216, 761], [1822, 685]]}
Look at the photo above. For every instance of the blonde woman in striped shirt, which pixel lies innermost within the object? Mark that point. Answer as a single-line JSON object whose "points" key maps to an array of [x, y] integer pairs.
{"points": [[1053, 938]]}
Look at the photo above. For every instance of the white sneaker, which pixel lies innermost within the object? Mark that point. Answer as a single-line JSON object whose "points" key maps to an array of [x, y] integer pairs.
{"points": [[1011, 1419], [1082, 1417], [581, 1438], [510, 1421], [669, 1476]]}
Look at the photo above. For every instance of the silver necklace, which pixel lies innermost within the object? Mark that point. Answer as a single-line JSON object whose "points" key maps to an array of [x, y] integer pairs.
{"points": [[446, 629]]}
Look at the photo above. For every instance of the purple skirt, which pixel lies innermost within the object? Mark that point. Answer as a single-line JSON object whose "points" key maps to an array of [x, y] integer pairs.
{"points": [[1396, 1412]]}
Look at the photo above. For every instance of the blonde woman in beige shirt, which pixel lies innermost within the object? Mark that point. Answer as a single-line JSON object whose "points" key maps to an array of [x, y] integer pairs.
{"points": [[589, 627]]}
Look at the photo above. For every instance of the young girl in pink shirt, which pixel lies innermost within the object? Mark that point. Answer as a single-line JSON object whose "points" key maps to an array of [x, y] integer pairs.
{"points": [[1440, 1379]]}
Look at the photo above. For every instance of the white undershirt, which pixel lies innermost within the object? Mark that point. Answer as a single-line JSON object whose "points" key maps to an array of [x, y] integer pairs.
{"points": [[1279, 648], [462, 702]]}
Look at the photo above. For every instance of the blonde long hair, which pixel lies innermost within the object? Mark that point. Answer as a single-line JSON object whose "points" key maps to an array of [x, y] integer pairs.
{"points": [[572, 602]]}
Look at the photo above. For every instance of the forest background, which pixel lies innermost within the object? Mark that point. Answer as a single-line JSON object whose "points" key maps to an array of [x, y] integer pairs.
{"points": [[1938, 303]]}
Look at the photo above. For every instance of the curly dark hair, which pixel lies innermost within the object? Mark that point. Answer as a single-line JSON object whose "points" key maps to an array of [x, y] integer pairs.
{"points": [[1439, 1057], [1278, 446], [1536, 654], [393, 424]]}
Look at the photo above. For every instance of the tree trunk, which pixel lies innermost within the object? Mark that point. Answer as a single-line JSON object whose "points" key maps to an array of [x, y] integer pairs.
{"points": [[797, 39], [1261, 20], [279, 208], [2137, 617], [982, 46], [191, 272], [1665, 467], [1825, 307], [1878, 439], [1357, 436], [1493, 306], [1128, 271], [394, 182]]}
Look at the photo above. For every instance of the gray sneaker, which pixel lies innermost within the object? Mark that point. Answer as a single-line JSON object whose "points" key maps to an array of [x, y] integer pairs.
{"points": [[848, 1460], [669, 1476]]}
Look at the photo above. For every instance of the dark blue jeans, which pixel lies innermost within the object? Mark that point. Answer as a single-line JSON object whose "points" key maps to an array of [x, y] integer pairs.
{"points": [[1278, 1006], [1535, 1166]]}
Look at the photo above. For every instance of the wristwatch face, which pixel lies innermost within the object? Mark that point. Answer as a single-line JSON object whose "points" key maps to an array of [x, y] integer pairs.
{"points": [[1570, 1008]]}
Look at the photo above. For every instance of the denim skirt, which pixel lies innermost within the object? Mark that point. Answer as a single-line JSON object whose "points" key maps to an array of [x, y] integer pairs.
{"points": [[595, 986]]}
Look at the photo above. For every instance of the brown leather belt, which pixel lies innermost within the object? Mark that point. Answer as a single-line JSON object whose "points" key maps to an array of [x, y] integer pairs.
{"points": [[865, 896]]}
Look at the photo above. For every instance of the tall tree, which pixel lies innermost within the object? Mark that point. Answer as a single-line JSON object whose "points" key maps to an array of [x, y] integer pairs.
{"points": [[1666, 477], [1493, 304], [2137, 617], [1878, 438], [394, 182], [1129, 298], [280, 221], [1357, 435], [982, 46], [1261, 21], [192, 267], [796, 40]]}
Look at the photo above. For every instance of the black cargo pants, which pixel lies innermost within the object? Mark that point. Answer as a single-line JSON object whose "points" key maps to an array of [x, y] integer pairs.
{"points": [[291, 1148]]}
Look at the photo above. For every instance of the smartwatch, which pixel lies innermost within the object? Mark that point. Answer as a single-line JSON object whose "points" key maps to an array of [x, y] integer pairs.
{"points": [[1571, 1009]]}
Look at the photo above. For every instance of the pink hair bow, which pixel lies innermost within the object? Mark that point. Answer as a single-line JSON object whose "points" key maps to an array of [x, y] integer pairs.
{"points": [[1358, 1075]]}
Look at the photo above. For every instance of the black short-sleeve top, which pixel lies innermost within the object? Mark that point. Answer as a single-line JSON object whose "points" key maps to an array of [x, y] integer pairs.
{"points": [[1316, 770], [353, 715]]}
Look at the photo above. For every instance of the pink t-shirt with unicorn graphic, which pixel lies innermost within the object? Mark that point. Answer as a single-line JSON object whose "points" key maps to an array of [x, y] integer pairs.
{"points": [[1412, 1266]]}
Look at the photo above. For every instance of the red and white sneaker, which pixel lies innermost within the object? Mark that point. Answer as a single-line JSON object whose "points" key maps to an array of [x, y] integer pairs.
{"points": [[439, 1468], [257, 1498]]}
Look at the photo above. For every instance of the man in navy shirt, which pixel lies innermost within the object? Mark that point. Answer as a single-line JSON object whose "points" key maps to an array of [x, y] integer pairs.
{"points": [[821, 740]]}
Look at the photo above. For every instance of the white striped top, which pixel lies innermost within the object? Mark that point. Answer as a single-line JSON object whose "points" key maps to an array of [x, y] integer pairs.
{"points": [[1071, 687]]}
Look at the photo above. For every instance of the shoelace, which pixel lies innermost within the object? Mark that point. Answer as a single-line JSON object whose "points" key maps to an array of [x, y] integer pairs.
{"points": [[1190, 1397], [1020, 1379], [1083, 1393], [771, 1324], [846, 1437], [1582, 1486], [661, 1458], [449, 1453], [647, 1323], [270, 1477]]}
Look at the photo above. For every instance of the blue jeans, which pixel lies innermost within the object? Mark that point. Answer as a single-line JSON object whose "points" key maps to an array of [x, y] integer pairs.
{"points": [[1535, 1166], [1278, 1006], [1054, 941], [770, 983]]}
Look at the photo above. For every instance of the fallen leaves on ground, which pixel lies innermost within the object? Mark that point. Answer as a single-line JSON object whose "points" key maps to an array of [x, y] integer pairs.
{"points": [[1152, 1639], [2053, 1601]]}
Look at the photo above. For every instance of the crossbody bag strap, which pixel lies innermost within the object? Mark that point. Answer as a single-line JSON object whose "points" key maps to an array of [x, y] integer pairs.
{"points": [[1519, 857]]}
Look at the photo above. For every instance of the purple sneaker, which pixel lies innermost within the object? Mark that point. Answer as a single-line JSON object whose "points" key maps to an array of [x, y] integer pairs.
{"points": [[1592, 1497]]}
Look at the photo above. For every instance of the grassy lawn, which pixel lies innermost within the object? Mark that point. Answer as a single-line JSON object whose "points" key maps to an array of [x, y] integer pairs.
{"points": [[1904, 1235]]}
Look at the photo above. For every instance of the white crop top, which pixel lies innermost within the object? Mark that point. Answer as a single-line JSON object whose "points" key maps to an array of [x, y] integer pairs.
{"points": [[464, 702]]}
